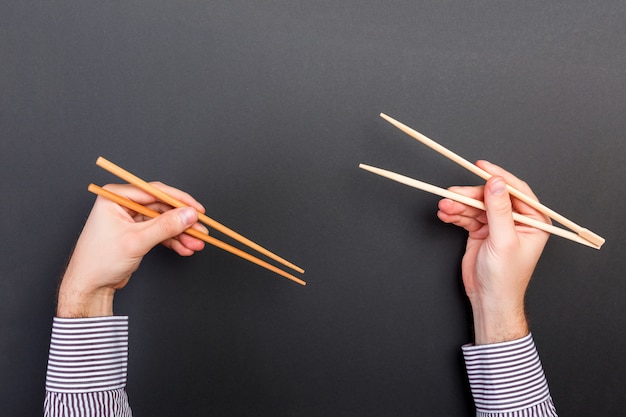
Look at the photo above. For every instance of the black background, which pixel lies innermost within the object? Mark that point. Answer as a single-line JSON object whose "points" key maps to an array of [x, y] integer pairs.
{"points": [[263, 110]]}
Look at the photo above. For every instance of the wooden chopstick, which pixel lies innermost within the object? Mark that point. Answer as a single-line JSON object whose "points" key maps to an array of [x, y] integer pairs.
{"points": [[123, 201], [166, 198], [476, 203], [587, 234]]}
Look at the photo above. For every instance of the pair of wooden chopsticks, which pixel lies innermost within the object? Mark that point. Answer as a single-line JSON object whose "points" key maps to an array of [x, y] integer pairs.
{"points": [[581, 235], [166, 198]]}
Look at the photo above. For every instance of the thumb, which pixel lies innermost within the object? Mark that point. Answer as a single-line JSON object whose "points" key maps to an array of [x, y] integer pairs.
{"points": [[499, 212], [167, 225]]}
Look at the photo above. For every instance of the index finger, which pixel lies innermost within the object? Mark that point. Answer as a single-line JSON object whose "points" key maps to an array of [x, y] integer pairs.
{"points": [[180, 195], [142, 197], [509, 178]]}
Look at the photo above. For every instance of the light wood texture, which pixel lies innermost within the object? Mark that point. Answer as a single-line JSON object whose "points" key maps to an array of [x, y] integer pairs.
{"points": [[584, 233], [476, 203], [166, 198], [123, 201]]}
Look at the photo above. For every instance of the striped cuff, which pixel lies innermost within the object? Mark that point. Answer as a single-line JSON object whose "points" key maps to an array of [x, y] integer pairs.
{"points": [[88, 354], [506, 377]]}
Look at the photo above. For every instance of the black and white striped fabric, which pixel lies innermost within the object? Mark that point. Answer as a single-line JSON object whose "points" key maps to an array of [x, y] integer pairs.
{"points": [[87, 368], [507, 379], [88, 363]]}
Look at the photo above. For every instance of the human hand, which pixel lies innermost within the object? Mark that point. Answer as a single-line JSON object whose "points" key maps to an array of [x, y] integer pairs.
{"points": [[113, 243], [500, 255]]}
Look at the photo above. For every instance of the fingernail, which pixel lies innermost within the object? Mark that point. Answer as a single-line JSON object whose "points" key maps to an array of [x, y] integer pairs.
{"points": [[188, 216], [497, 187]]}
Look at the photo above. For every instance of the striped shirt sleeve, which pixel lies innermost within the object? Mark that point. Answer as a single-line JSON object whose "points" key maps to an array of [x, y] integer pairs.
{"points": [[87, 368], [507, 379]]}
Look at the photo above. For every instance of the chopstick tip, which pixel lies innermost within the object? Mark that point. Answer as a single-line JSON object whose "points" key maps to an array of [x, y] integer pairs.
{"points": [[591, 237]]}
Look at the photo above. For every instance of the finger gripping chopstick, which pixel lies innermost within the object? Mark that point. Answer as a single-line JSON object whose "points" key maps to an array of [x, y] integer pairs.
{"points": [[586, 234], [166, 198], [125, 202], [476, 203]]}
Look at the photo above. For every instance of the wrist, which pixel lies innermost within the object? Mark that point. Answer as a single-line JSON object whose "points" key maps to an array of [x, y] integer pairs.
{"points": [[77, 301], [499, 323]]}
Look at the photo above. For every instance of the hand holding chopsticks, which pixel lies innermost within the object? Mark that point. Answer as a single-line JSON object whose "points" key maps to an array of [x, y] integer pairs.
{"points": [[475, 203], [583, 236], [168, 199]]}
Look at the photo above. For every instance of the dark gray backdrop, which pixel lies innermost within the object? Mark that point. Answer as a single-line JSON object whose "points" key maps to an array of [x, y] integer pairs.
{"points": [[263, 110]]}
